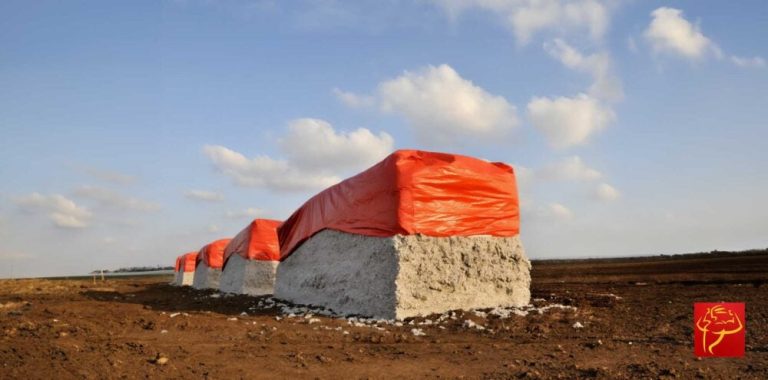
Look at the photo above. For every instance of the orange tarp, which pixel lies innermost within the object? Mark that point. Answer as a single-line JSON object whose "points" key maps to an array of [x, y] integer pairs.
{"points": [[410, 192], [177, 267], [213, 254], [258, 241], [189, 261]]}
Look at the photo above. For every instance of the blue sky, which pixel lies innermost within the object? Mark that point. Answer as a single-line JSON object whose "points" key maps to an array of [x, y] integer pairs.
{"points": [[132, 132]]}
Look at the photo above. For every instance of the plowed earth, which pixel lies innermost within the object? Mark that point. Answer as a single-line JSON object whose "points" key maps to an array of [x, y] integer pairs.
{"points": [[619, 318]]}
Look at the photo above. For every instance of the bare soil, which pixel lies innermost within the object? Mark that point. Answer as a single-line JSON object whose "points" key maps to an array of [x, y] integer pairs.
{"points": [[636, 316]]}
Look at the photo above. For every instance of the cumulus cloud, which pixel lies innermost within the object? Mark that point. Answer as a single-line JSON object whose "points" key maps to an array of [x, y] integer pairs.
{"points": [[606, 85], [670, 33], [528, 17], [112, 199], [443, 107], [61, 211], [567, 121], [746, 62], [249, 213], [263, 171], [606, 192], [203, 195], [315, 155], [569, 169], [313, 144]]}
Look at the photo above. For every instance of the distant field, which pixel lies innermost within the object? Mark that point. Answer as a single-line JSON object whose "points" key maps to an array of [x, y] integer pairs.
{"points": [[122, 275]]}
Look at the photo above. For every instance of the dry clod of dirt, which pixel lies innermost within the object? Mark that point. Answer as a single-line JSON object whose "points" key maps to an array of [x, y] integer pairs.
{"points": [[159, 359]]}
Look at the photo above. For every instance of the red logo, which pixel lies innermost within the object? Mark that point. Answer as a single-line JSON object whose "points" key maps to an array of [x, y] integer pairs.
{"points": [[719, 329]]}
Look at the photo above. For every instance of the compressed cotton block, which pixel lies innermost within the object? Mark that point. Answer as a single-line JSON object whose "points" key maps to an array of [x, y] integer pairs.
{"points": [[205, 277], [183, 278], [405, 275], [243, 276]]}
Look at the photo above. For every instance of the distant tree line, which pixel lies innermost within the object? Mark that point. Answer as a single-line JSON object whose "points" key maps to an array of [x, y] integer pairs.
{"points": [[663, 256], [134, 269]]}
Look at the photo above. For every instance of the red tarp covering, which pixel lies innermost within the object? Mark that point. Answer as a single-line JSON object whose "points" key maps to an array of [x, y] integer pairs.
{"points": [[410, 192], [213, 254], [258, 241], [177, 267], [189, 262]]}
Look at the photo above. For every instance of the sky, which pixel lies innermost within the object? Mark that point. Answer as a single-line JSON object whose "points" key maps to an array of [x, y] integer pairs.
{"points": [[133, 132]]}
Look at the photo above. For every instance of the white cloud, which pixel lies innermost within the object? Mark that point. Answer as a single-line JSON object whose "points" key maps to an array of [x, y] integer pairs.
{"points": [[605, 85], [569, 169], [313, 144], [353, 100], [249, 213], [203, 195], [670, 33], [316, 155], [263, 171], [528, 17], [567, 121], [606, 192], [112, 199], [61, 211], [212, 228], [443, 107], [746, 62]]}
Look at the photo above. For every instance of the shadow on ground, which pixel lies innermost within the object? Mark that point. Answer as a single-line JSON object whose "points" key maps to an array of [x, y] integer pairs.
{"points": [[173, 299]]}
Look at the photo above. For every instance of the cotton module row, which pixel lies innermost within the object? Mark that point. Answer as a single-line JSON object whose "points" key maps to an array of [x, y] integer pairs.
{"points": [[418, 233]]}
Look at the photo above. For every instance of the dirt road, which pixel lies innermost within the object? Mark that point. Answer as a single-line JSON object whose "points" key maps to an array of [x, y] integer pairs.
{"points": [[590, 319]]}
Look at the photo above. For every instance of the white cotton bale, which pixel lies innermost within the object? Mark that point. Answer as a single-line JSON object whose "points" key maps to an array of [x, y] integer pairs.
{"points": [[183, 278], [405, 275], [252, 277], [206, 277]]}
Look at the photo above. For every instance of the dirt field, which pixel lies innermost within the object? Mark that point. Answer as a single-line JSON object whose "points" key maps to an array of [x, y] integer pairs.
{"points": [[636, 316]]}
